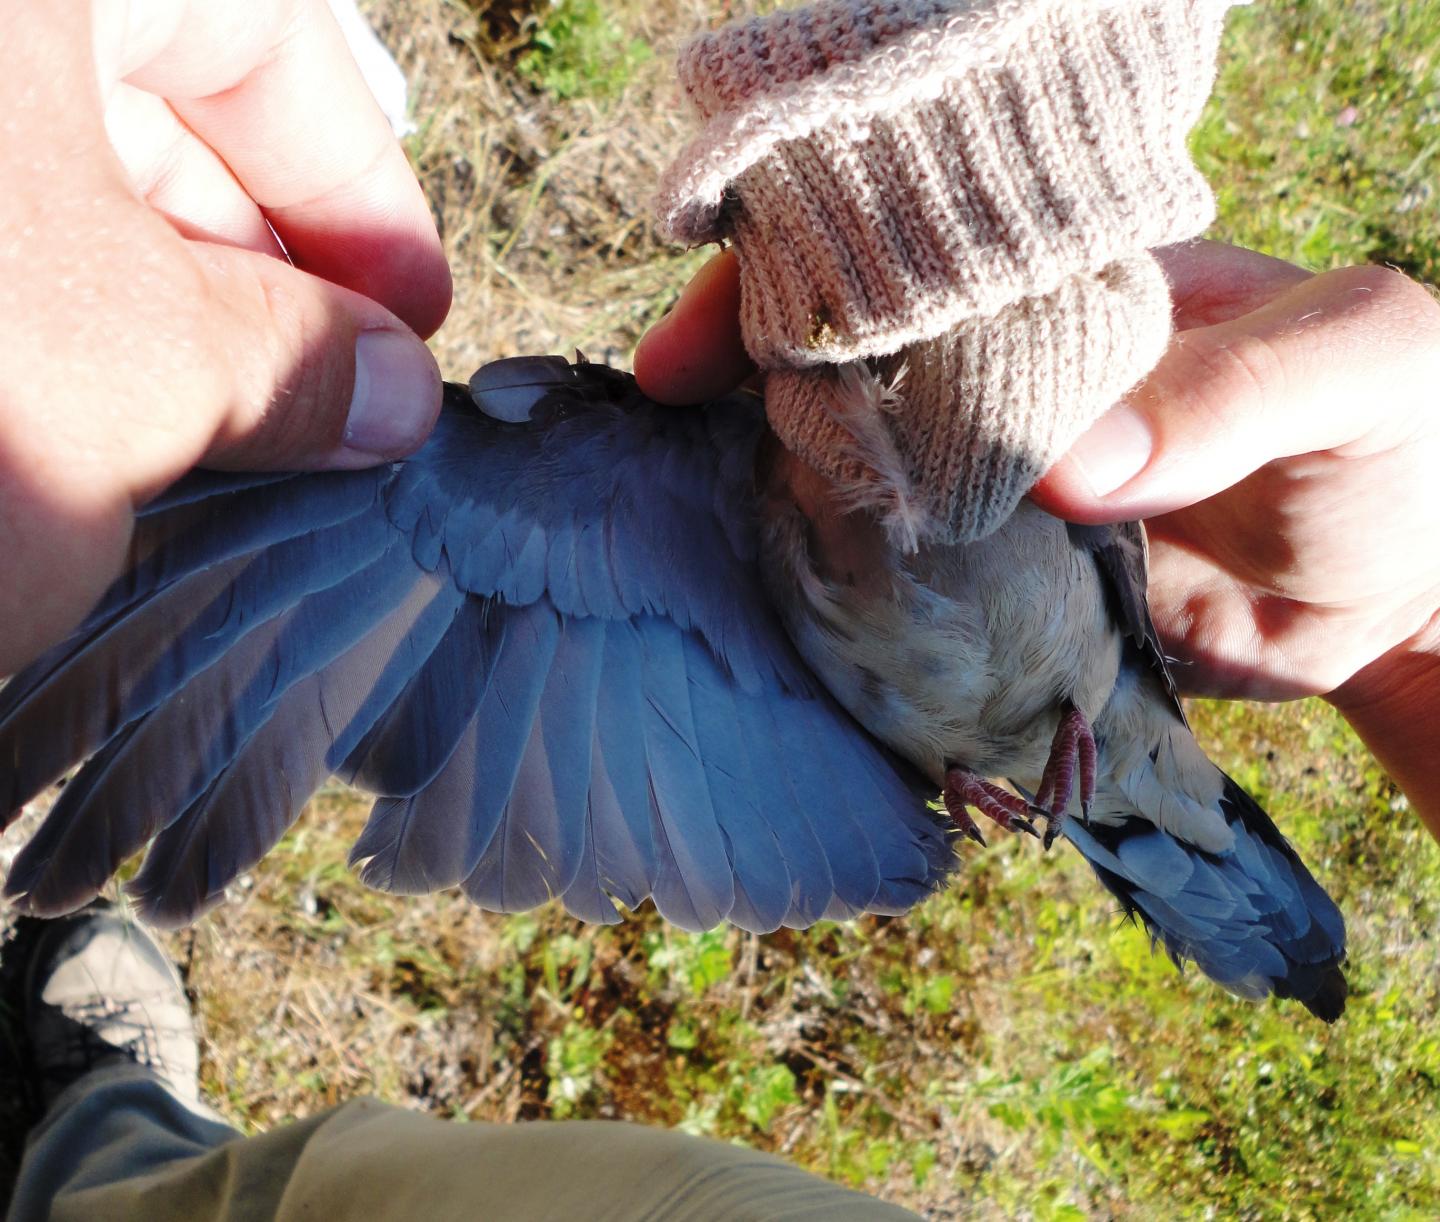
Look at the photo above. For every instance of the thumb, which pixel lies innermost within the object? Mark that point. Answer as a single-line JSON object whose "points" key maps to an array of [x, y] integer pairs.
{"points": [[315, 375], [696, 352], [1330, 364], [161, 354]]}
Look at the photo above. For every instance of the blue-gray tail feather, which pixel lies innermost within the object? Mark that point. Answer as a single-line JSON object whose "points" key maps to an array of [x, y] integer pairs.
{"points": [[1253, 920]]}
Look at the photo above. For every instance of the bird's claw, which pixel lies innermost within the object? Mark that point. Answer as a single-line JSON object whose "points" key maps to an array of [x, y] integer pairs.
{"points": [[965, 789], [1054, 821], [1072, 751]]}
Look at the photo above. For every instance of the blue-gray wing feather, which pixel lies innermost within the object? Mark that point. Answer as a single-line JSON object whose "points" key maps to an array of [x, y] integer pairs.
{"points": [[541, 641]]}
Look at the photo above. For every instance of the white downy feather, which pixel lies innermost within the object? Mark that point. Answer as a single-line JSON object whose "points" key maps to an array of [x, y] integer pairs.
{"points": [[860, 406]]}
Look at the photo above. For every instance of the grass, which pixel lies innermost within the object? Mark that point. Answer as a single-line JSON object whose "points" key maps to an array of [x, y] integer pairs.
{"points": [[578, 50], [1009, 1049], [1323, 141]]}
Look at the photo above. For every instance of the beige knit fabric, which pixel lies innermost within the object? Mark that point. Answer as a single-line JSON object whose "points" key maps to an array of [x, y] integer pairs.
{"points": [[944, 437], [887, 168], [897, 171]]}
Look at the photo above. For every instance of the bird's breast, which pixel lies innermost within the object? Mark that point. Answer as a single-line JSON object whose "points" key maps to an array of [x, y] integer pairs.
{"points": [[952, 655]]}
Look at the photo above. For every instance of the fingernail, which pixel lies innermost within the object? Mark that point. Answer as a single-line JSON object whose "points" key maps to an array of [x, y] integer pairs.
{"points": [[396, 387], [1114, 450]]}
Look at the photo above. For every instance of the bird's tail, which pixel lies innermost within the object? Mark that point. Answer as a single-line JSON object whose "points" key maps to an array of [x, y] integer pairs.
{"points": [[1253, 918]]}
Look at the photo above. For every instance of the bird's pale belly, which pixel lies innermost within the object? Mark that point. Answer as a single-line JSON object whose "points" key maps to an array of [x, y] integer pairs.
{"points": [[928, 680], [963, 655]]}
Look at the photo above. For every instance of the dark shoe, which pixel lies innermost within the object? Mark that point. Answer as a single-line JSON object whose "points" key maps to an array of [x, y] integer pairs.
{"points": [[98, 990]]}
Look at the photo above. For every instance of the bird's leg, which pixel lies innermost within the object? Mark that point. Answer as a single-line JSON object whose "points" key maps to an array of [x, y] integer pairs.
{"points": [[1072, 750], [964, 789]]}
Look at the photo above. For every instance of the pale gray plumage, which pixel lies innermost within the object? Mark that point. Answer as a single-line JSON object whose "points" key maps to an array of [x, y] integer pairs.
{"points": [[545, 642], [969, 654]]}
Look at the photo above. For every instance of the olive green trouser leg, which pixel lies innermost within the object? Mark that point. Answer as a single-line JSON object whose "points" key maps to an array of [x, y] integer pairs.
{"points": [[118, 1145]]}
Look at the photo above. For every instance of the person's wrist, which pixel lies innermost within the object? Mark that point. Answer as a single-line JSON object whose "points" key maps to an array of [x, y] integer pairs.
{"points": [[1393, 704]]}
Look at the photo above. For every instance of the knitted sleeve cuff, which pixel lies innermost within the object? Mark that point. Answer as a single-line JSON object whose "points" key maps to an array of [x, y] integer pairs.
{"points": [[961, 426], [890, 168]]}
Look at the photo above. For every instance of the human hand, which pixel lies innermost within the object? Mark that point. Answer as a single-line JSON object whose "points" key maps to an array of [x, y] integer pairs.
{"points": [[151, 153], [1283, 454]]}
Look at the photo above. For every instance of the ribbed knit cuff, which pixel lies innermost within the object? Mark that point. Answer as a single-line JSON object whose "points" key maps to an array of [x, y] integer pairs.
{"points": [[890, 168], [943, 438]]}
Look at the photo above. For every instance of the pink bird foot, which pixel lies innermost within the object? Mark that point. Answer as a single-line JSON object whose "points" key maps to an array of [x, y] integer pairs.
{"points": [[1071, 751], [965, 789]]}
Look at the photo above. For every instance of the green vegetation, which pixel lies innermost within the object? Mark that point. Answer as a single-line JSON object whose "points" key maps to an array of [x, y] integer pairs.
{"points": [[1323, 139], [578, 49]]}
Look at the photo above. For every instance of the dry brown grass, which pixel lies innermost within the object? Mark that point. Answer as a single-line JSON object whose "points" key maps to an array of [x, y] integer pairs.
{"points": [[544, 205]]}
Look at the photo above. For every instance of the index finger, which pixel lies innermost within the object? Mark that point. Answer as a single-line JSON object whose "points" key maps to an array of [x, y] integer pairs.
{"points": [[273, 88], [696, 352], [1214, 282]]}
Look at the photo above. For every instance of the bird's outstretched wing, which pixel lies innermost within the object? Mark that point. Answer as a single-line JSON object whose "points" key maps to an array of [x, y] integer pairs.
{"points": [[1253, 919], [542, 641], [1121, 556]]}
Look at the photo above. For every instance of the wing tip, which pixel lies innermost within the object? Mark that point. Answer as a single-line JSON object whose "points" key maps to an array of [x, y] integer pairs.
{"points": [[1324, 992], [1312, 958]]}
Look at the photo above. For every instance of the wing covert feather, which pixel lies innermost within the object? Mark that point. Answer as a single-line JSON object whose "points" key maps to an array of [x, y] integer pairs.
{"points": [[542, 641]]}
